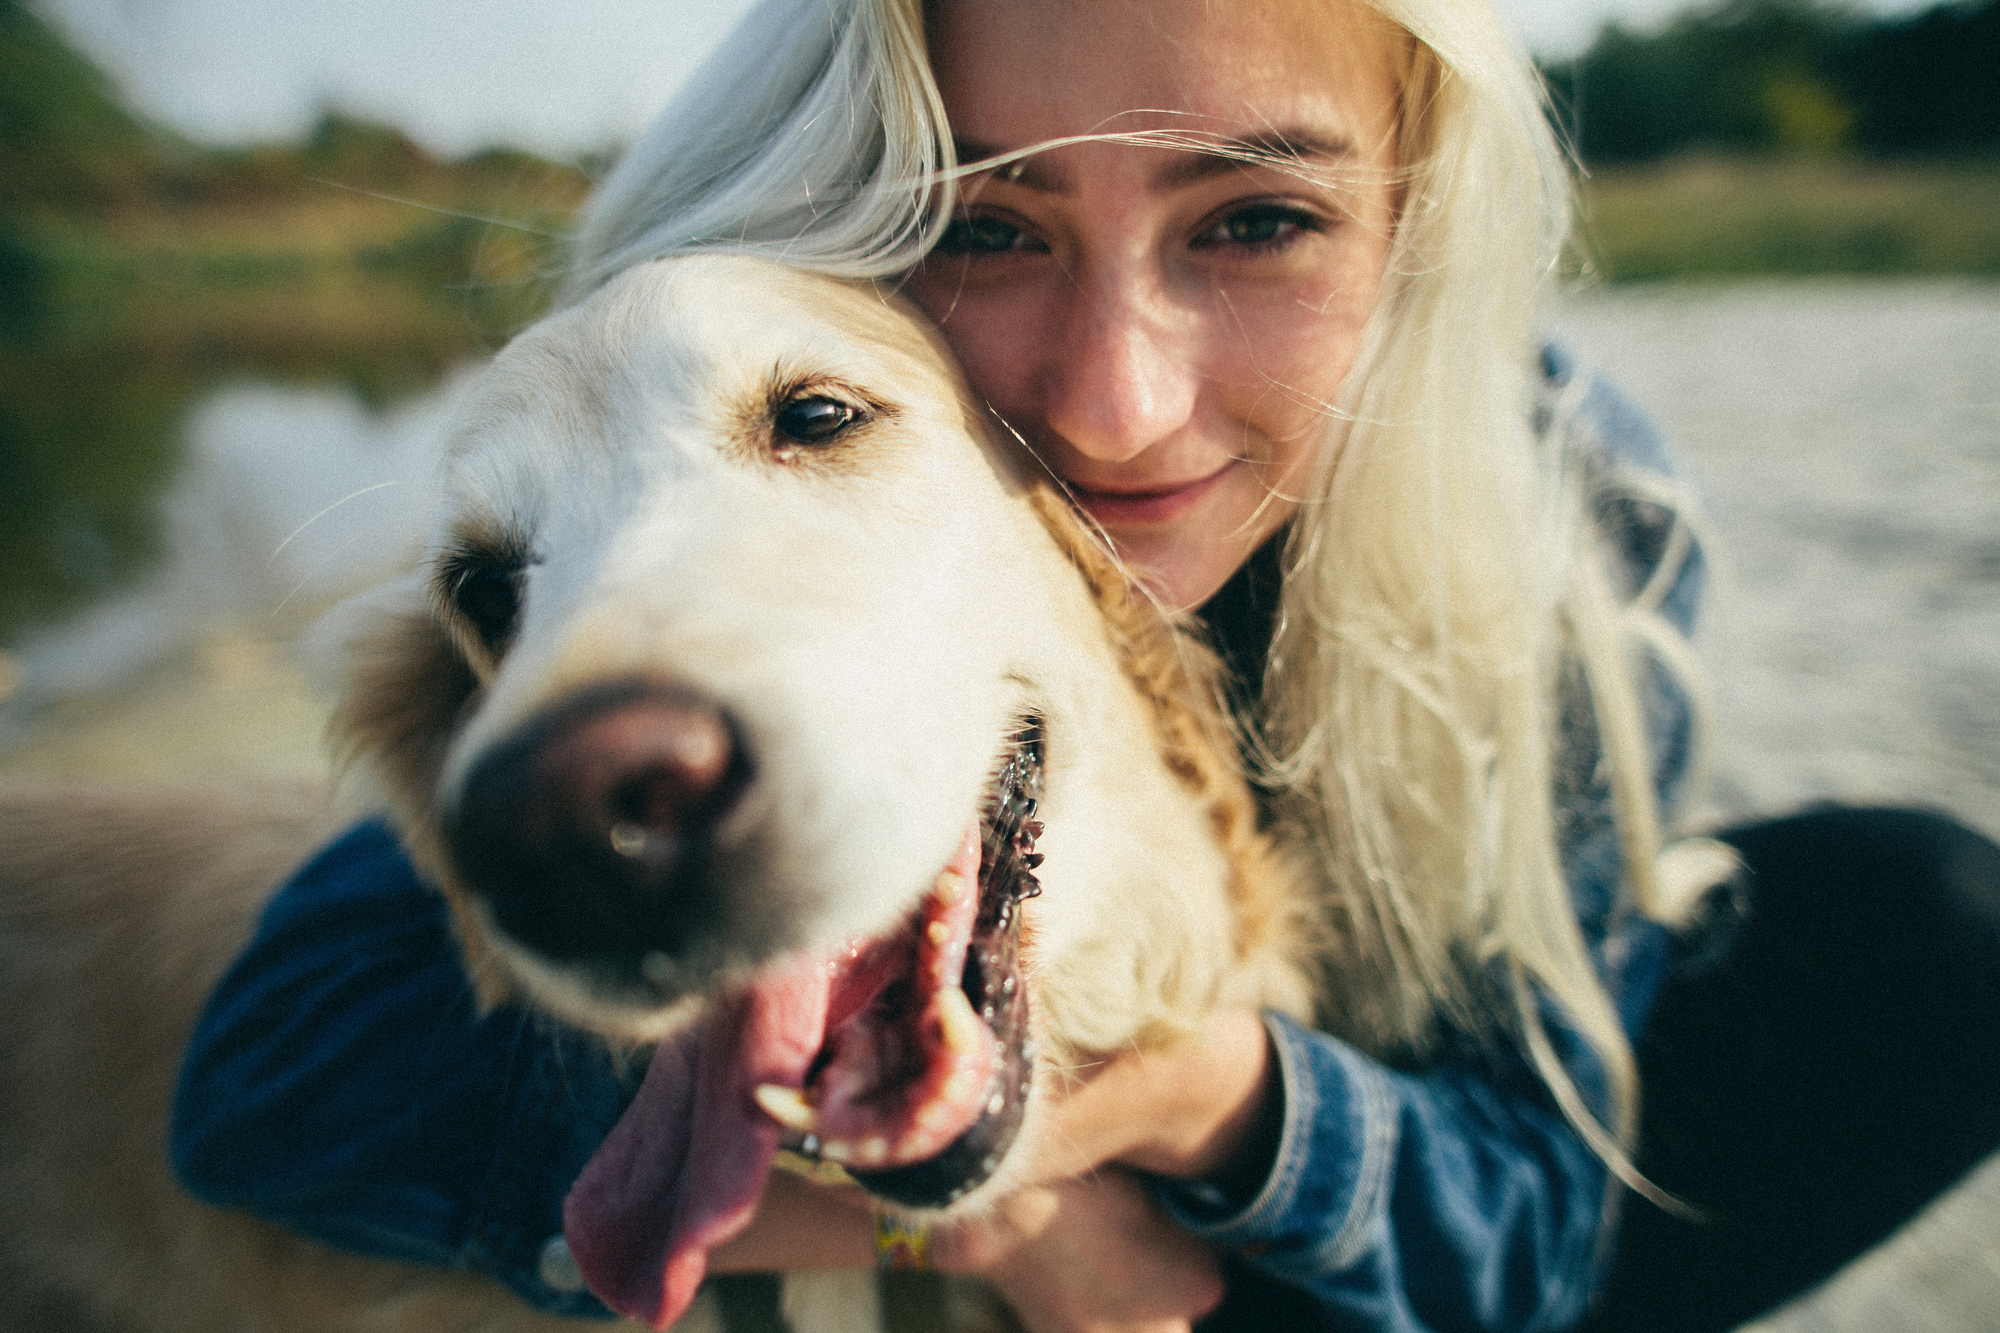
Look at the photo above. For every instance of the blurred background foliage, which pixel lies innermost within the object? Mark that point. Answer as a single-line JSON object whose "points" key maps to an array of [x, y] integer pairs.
{"points": [[1791, 138], [139, 271], [1790, 77]]}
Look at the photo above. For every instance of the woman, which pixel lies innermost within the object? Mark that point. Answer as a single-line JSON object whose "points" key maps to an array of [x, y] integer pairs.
{"points": [[1257, 281]]}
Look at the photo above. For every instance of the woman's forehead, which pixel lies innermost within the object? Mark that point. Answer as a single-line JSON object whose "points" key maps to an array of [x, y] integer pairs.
{"points": [[1026, 71]]}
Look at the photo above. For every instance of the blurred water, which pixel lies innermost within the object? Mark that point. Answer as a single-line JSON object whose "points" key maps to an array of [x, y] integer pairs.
{"points": [[287, 498], [1847, 438]]}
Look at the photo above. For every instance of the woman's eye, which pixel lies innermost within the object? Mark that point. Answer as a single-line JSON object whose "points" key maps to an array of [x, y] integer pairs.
{"points": [[489, 596], [1260, 227], [983, 234], [814, 420]]}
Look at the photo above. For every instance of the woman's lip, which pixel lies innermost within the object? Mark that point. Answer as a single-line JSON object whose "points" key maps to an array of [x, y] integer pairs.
{"points": [[1156, 505]]}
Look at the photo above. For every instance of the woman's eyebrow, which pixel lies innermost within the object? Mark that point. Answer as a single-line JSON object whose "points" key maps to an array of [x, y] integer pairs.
{"points": [[1205, 157], [1275, 148]]}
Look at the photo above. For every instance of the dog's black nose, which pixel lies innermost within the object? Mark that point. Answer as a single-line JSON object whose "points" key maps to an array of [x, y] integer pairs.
{"points": [[589, 830]]}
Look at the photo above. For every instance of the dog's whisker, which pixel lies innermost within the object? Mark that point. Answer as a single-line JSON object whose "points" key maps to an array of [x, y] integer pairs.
{"points": [[299, 587], [296, 532]]}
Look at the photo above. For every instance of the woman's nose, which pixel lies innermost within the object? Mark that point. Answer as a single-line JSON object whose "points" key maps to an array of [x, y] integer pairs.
{"points": [[1121, 378]]}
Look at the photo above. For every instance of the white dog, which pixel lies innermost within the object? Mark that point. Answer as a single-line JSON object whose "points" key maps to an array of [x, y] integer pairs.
{"points": [[744, 675]]}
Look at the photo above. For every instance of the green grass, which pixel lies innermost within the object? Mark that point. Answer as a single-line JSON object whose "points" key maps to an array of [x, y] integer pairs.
{"points": [[1721, 217]]}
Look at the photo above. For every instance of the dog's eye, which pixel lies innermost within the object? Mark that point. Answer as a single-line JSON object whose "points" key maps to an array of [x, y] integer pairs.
{"points": [[815, 419], [489, 595]]}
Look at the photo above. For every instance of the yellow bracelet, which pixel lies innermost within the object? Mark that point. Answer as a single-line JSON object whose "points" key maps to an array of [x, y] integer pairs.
{"points": [[902, 1246]]}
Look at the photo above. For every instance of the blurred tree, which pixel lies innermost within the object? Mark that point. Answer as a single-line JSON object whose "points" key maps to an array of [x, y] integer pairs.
{"points": [[1786, 76], [63, 135], [1929, 83]]}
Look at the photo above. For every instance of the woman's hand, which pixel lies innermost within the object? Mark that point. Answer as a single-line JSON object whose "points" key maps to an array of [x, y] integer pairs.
{"points": [[1090, 1255], [1209, 1105]]}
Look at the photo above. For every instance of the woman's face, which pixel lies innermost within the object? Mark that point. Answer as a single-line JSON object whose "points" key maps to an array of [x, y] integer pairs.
{"points": [[1167, 328]]}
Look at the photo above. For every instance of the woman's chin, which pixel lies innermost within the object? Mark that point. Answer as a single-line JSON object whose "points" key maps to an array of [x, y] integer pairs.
{"points": [[1180, 571]]}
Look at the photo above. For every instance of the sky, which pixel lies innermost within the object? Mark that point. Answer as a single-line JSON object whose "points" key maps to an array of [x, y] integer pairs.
{"points": [[460, 75]]}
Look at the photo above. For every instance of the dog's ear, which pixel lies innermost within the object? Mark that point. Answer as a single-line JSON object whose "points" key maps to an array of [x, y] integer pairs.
{"points": [[400, 685]]}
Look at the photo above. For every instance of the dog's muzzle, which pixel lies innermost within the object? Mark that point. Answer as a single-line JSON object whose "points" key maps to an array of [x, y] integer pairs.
{"points": [[589, 835]]}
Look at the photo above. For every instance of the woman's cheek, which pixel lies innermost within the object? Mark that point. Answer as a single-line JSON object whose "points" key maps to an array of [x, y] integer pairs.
{"points": [[1292, 354], [994, 335]]}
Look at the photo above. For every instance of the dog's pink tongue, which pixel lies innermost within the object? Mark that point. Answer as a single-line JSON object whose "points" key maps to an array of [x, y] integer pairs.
{"points": [[681, 1172]]}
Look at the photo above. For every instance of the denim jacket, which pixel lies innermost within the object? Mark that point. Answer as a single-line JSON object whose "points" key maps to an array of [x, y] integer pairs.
{"points": [[342, 1082]]}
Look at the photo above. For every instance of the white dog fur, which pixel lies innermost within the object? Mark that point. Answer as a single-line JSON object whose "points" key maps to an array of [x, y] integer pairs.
{"points": [[877, 613]]}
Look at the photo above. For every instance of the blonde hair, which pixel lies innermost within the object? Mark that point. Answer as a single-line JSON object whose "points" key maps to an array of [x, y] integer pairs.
{"points": [[1443, 574], [814, 135]]}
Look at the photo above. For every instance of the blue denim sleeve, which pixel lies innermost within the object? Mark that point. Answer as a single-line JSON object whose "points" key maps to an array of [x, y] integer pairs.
{"points": [[1451, 1199], [342, 1083]]}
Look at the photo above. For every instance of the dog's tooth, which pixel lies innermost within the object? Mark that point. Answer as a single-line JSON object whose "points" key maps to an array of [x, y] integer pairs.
{"points": [[788, 1107], [949, 886], [628, 840], [874, 1150], [937, 932], [959, 1026], [837, 1150]]}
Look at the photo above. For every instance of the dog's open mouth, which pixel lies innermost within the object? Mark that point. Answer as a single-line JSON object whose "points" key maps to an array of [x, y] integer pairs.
{"points": [[923, 1077], [904, 1058]]}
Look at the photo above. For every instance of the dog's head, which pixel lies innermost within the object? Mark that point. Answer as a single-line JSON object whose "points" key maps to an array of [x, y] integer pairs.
{"points": [[738, 670]]}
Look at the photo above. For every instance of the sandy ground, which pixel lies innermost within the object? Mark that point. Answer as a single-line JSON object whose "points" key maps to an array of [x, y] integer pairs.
{"points": [[1847, 439], [232, 705]]}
